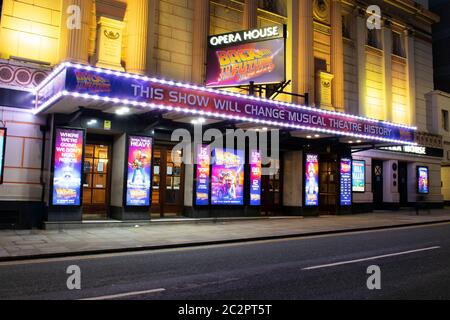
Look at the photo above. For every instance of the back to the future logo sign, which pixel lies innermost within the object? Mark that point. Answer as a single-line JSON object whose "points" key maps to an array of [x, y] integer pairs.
{"points": [[254, 55]]}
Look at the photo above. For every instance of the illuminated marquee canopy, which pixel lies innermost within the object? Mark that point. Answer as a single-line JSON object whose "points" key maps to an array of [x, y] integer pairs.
{"points": [[69, 85]]}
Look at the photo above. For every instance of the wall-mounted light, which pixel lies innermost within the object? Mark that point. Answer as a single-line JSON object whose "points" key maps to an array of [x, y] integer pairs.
{"points": [[92, 122], [198, 121], [122, 111]]}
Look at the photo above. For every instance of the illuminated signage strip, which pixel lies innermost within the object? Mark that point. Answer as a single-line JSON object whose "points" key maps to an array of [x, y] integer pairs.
{"points": [[139, 171], [155, 94], [245, 36], [418, 150]]}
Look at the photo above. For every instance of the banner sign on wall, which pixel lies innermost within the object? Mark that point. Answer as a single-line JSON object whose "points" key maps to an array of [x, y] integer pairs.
{"points": [[423, 186], [139, 175], [261, 62], [67, 167], [255, 178], [202, 175], [359, 176], [227, 185], [2, 152], [153, 94], [346, 182], [312, 180], [236, 58]]}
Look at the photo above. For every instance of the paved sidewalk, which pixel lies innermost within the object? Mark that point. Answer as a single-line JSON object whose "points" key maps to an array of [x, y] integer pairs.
{"points": [[16, 244]]}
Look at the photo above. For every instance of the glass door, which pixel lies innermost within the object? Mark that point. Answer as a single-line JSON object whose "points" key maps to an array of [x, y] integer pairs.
{"points": [[329, 179], [168, 184], [96, 182], [271, 193]]}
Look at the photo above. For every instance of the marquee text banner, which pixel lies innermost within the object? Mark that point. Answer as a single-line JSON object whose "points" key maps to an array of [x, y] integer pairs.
{"points": [[193, 99]]}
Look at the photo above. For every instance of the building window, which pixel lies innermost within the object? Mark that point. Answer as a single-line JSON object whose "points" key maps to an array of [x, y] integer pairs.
{"points": [[445, 120], [346, 27], [373, 38], [397, 45]]}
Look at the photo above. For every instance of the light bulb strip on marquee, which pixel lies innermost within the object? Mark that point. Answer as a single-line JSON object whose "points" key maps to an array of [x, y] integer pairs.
{"points": [[55, 96]]}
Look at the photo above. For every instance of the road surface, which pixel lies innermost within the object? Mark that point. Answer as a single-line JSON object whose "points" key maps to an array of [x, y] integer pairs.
{"points": [[414, 264]]}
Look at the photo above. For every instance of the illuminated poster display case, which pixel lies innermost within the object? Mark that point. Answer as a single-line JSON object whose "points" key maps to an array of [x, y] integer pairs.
{"points": [[222, 178], [423, 180], [67, 167], [255, 178], [202, 175], [345, 173], [138, 171], [2, 152], [311, 180], [227, 177], [359, 176]]}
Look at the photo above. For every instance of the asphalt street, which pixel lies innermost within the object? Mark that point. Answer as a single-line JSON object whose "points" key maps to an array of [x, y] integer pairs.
{"points": [[414, 264]]}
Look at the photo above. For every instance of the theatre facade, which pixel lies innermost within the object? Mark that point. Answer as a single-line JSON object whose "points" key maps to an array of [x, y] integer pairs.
{"points": [[130, 119]]}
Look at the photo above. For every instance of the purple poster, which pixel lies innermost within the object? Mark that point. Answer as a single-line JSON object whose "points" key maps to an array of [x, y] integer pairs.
{"points": [[227, 185], [139, 171], [255, 178], [312, 180], [422, 180], [67, 167], [346, 182], [202, 176]]}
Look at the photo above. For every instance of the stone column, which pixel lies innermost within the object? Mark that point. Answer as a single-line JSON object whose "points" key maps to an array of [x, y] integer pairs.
{"points": [[151, 36], [292, 49], [199, 41], [360, 50], [387, 63], [137, 36], [390, 182], [74, 42], [408, 38], [337, 56], [305, 52], [250, 14]]}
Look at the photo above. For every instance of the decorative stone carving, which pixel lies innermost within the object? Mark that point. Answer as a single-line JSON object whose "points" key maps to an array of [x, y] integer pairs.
{"points": [[321, 10], [323, 90], [109, 43]]}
